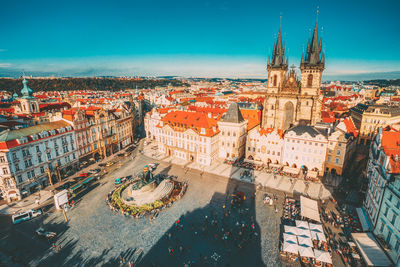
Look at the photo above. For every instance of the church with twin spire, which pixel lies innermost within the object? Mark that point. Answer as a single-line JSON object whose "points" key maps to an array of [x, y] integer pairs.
{"points": [[291, 100]]}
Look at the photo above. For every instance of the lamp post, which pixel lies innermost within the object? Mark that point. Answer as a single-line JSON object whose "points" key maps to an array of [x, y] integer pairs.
{"points": [[58, 172]]}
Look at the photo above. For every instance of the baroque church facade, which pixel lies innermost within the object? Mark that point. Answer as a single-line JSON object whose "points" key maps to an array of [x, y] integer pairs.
{"points": [[291, 100]]}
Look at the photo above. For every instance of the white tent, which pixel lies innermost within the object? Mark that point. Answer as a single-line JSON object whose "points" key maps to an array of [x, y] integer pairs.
{"points": [[316, 227], [302, 224], [318, 236], [305, 241], [289, 247], [371, 252], [303, 232], [289, 238], [323, 256], [290, 230], [309, 209], [306, 251]]}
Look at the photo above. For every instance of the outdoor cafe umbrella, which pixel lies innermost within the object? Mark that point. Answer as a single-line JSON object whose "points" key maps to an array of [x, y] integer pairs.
{"points": [[291, 230], [316, 227], [323, 256], [302, 224], [289, 238], [290, 247], [305, 241], [306, 251]]}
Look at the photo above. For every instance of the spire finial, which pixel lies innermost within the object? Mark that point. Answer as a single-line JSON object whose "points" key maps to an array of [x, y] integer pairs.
{"points": [[280, 21], [317, 13]]}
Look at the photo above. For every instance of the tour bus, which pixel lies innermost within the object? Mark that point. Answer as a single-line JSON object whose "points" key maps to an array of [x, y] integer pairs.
{"points": [[25, 216]]}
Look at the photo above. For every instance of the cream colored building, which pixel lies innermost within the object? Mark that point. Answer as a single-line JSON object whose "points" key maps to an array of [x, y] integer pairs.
{"points": [[233, 128], [189, 136], [376, 116], [264, 146], [305, 146]]}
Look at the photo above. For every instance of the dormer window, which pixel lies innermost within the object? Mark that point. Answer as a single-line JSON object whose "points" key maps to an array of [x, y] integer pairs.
{"points": [[203, 131]]}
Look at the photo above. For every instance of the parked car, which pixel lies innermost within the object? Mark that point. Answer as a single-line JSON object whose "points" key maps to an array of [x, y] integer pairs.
{"points": [[129, 177], [66, 185], [127, 154], [102, 164], [110, 163], [95, 171], [120, 154], [118, 181], [41, 233], [84, 174]]}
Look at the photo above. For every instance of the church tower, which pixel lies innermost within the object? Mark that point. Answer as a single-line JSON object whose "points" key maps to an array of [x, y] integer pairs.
{"points": [[28, 103], [312, 66], [277, 66]]}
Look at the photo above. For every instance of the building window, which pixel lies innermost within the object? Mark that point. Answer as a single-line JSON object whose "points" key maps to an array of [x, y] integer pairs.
{"points": [[41, 169], [2, 159], [5, 171], [19, 179], [394, 219], [337, 160], [390, 197], [388, 237], [396, 247], [338, 152], [386, 211]]}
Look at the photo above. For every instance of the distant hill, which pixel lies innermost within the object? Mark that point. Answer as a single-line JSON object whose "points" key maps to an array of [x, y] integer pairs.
{"points": [[383, 83], [98, 84]]}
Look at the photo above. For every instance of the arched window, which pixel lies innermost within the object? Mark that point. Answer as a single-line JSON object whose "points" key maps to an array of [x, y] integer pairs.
{"points": [[309, 80], [275, 79], [33, 108]]}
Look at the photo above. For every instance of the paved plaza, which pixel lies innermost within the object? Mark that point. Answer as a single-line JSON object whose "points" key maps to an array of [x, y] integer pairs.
{"points": [[96, 236]]}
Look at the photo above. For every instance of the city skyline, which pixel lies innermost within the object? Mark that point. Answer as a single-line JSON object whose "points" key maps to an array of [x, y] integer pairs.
{"points": [[203, 39]]}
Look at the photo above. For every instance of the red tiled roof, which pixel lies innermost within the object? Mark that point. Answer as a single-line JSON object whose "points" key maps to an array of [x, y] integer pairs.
{"points": [[391, 146], [183, 120]]}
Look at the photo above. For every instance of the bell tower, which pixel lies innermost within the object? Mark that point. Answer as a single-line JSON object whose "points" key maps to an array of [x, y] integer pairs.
{"points": [[277, 66], [312, 65]]}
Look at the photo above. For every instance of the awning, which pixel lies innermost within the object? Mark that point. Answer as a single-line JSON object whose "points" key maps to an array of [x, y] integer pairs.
{"points": [[302, 224], [306, 252], [366, 226], [312, 174], [371, 252], [322, 256], [309, 208], [291, 248], [273, 165], [290, 230], [291, 170]]}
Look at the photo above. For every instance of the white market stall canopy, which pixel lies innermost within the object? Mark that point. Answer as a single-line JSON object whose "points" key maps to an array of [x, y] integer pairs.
{"points": [[289, 238], [290, 247], [371, 252], [291, 230], [306, 251], [302, 224], [316, 227], [309, 209], [305, 241], [322, 256], [318, 236], [312, 174], [303, 232]]}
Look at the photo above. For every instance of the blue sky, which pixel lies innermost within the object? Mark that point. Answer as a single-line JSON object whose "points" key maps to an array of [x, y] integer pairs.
{"points": [[194, 38]]}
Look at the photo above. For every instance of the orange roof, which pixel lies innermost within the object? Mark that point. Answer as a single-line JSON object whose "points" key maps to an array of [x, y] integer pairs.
{"points": [[183, 120], [253, 116], [350, 126], [391, 146], [265, 131]]}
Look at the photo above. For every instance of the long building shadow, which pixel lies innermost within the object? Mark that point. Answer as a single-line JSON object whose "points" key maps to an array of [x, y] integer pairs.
{"points": [[222, 233]]}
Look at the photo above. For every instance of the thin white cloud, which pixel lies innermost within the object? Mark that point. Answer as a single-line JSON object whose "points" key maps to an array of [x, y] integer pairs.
{"points": [[5, 65]]}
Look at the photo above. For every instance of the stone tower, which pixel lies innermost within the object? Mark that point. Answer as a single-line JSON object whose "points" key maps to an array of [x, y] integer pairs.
{"points": [[232, 143], [277, 65]]}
